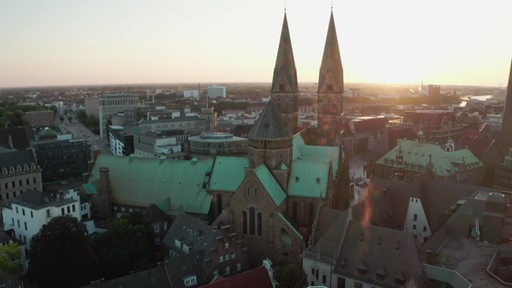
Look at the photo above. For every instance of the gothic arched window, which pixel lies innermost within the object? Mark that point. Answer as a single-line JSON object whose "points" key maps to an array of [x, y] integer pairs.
{"points": [[259, 223], [244, 221]]}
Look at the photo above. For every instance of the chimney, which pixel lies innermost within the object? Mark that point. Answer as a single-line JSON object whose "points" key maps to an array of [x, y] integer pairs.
{"points": [[104, 179]]}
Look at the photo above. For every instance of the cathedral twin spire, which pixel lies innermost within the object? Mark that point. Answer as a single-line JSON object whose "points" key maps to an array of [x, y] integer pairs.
{"points": [[284, 90]]}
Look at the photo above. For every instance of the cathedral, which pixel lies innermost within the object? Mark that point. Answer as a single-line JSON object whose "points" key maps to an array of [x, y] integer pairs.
{"points": [[287, 181], [272, 196]]}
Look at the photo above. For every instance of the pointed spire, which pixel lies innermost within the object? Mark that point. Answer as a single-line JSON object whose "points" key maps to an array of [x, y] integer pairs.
{"points": [[269, 125], [331, 69], [285, 73], [506, 126]]}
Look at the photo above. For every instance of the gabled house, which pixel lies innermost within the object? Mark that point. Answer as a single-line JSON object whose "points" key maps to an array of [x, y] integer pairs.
{"points": [[354, 253], [212, 251]]}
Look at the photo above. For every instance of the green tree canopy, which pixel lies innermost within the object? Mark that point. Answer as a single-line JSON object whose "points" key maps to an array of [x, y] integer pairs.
{"points": [[11, 258], [60, 255], [290, 276], [128, 246]]}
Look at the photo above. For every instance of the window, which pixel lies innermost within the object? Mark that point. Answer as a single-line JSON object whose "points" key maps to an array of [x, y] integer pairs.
{"points": [[48, 213], [424, 228], [17, 210], [324, 279], [233, 255], [27, 181], [34, 180], [244, 221], [226, 257], [238, 266], [18, 223], [21, 183], [414, 227], [26, 229], [31, 214], [190, 281], [62, 211], [226, 245], [156, 228], [13, 184], [358, 284], [68, 209], [14, 194], [23, 211], [227, 270], [73, 207], [415, 217], [221, 259], [259, 223]]}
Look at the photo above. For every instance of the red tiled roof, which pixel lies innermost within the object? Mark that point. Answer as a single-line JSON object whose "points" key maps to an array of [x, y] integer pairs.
{"points": [[254, 278]]}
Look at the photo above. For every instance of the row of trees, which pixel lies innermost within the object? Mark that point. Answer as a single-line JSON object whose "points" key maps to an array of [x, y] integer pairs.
{"points": [[91, 122], [11, 114], [62, 255]]}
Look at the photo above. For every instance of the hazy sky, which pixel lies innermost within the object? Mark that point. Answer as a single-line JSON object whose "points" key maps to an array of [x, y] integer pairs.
{"points": [[64, 42]]}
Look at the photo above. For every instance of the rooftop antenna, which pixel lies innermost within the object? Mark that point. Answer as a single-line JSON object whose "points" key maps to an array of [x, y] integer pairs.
{"points": [[285, 6], [332, 4]]}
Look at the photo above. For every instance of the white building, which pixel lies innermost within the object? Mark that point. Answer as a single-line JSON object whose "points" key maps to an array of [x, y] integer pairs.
{"points": [[191, 93], [27, 214], [216, 91]]}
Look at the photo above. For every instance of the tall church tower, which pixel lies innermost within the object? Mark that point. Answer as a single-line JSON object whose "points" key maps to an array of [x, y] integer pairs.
{"points": [[330, 88], [506, 125], [271, 143], [285, 89]]}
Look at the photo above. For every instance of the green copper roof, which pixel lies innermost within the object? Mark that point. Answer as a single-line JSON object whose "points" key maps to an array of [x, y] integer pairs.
{"points": [[284, 69], [308, 179], [331, 62], [142, 182], [270, 183], [90, 189], [417, 155], [289, 225], [228, 173], [318, 154]]}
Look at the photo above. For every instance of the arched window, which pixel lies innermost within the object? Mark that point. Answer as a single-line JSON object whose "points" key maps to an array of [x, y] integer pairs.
{"points": [[259, 223], [252, 220], [244, 221]]}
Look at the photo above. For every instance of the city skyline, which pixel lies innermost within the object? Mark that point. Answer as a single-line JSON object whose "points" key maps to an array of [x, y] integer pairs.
{"points": [[98, 42]]}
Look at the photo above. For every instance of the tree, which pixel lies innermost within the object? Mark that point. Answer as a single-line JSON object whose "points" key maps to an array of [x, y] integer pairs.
{"points": [[128, 246], [60, 255], [290, 276], [11, 258]]}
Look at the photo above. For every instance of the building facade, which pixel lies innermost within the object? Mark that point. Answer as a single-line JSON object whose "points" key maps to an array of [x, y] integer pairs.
{"points": [[92, 105], [62, 159], [111, 104], [120, 141], [154, 144], [28, 213], [19, 173], [218, 143]]}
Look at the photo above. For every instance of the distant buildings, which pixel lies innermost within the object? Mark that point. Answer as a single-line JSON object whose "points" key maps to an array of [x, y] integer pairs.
{"points": [[191, 94], [409, 159], [155, 144], [218, 143], [120, 141], [39, 118], [111, 104], [92, 103], [215, 91]]}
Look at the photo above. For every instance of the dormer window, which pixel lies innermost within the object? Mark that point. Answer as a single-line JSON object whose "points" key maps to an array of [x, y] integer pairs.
{"points": [[281, 87], [190, 281]]}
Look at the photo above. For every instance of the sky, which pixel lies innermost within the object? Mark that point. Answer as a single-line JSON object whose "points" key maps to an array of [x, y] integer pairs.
{"points": [[72, 42]]}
